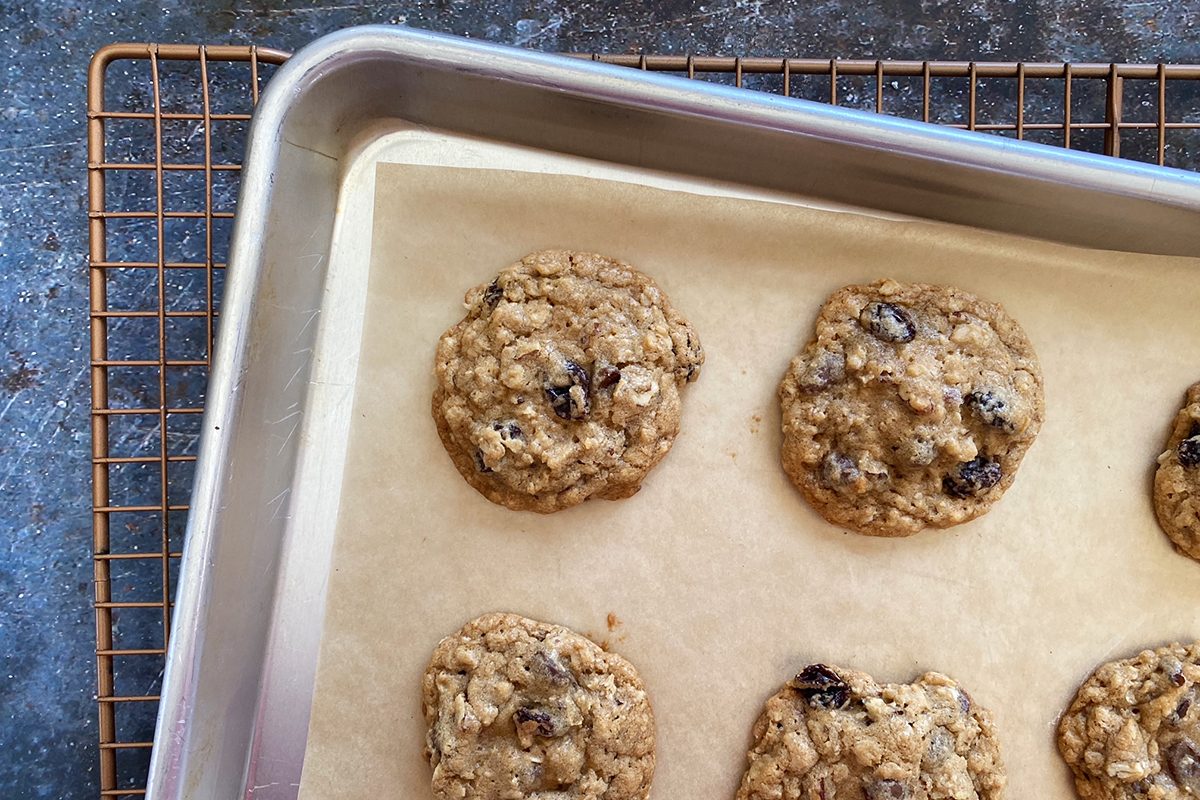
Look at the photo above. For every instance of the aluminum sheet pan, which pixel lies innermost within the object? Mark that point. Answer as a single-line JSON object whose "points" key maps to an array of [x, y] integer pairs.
{"points": [[238, 687]]}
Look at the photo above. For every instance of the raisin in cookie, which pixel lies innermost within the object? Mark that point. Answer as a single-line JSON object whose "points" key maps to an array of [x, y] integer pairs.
{"points": [[524, 709], [912, 406], [1133, 730], [1177, 481], [563, 381], [835, 734]]}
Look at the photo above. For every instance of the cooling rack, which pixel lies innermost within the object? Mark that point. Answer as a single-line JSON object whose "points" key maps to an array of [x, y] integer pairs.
{"points": [[166, 128]]}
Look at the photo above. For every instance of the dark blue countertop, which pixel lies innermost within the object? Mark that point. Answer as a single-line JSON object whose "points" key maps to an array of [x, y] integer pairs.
{"points": [[48, 728]]}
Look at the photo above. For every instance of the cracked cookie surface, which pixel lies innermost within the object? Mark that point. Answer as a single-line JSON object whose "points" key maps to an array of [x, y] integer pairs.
{"points": [[563, 381], [1177, 480], [1133, 729], [835, 734], [911, 407], [518, 708]]}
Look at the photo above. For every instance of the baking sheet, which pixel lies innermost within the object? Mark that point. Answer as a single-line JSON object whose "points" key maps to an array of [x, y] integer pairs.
{"points": [[721, 581]]}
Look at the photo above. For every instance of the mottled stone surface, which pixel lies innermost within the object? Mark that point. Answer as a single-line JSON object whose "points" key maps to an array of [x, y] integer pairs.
{"points": [[47, 672]]}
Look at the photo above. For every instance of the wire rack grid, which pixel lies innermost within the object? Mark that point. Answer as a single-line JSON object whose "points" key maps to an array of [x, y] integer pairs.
{"points": [[166, 128], [161, 135]]}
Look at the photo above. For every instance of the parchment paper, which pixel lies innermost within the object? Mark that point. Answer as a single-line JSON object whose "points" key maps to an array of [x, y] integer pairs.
{"points": [[722, 581]]}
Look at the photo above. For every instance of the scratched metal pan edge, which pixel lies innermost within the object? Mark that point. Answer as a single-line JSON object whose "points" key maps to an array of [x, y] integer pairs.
{"points": [[237, 690]]}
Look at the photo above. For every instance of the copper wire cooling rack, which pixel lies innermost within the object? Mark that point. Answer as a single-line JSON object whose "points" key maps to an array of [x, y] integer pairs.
{"points": [[166, 127], [165, 131]]}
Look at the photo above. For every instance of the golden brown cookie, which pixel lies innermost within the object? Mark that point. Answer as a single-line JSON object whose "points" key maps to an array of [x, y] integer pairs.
{"points": [[912, 406], [1133, 730], [563, 381], [523, 709], [835, 734], [1177, 481]]}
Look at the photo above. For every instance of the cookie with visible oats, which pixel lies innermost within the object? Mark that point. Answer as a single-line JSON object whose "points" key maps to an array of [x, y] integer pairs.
{"points": [[523, 709], [912, 406], [1133, 729], [835, 734], [1177, 480], [563, 381]]}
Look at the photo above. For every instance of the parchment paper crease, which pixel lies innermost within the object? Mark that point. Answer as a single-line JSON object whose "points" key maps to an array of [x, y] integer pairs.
{"points": [[724, 581]]}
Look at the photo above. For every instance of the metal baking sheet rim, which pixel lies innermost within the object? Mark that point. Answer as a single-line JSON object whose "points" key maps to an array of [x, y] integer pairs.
{"points": [[238, 684]]}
